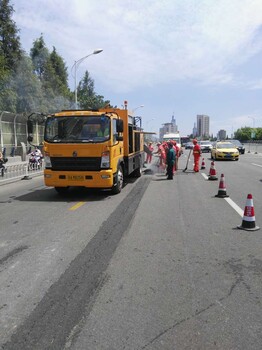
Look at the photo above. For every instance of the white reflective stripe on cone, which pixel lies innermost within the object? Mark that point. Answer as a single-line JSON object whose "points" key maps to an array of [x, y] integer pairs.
{"points": [[249, 218]]}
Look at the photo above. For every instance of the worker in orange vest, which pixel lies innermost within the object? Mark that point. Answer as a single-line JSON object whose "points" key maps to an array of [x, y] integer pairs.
{"points": [[196, 153]]}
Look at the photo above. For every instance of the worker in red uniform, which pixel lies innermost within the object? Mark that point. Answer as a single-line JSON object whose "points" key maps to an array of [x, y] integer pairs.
{"points": [[178, 153], [161, 151], [196, 153], [149, 155]]}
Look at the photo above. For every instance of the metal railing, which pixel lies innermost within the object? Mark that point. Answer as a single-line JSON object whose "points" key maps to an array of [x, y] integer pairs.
{"points": [[19, 171]]}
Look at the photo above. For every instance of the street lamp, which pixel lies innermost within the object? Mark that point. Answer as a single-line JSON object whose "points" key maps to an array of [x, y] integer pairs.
{"points": [[76, 65], [136, 108]]}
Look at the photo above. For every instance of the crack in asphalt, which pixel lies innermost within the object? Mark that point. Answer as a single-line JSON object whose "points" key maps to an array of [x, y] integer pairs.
{"points": [[11, 254]]}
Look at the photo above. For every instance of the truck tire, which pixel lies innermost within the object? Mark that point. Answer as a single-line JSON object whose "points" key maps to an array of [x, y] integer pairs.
{"points": [[119, 181]]}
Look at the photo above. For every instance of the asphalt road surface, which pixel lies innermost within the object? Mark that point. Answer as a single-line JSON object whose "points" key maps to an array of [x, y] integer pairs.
{"points": [[162, 265]]}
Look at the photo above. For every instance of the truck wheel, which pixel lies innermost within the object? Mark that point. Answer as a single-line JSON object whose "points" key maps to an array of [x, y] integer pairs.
{"points": [[119, 181], [61, 190]]}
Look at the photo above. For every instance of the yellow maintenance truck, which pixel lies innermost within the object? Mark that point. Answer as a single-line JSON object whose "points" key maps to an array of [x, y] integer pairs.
{"points": [[91, 148]]}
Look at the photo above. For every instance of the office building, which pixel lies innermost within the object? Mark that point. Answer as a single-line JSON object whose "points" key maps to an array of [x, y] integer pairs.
{"points": [[222, 135], [194, 132], [168, 128], [203, 126]]}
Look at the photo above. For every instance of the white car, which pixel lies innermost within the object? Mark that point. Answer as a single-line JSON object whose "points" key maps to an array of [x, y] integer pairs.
{"points": [[205, 146]]}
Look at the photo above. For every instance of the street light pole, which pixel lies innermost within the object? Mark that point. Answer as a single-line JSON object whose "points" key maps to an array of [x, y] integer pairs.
{"points": [[76, 65], [137, 108]]}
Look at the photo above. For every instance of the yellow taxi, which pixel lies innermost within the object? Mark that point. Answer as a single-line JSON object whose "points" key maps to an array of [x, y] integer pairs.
{"points": [[224, 150]]}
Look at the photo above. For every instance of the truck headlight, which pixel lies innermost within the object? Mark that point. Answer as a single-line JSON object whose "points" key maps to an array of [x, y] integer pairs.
{"points": [[105, 160], [48, 163]]}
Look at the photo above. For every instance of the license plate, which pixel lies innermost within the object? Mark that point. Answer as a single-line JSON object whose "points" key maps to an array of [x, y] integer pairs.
{"points": [[75, 178]]}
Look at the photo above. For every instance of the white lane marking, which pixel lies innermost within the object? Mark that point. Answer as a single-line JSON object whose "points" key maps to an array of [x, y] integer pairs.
{"points": [[257, 165], [235, 206], [229, 200]]}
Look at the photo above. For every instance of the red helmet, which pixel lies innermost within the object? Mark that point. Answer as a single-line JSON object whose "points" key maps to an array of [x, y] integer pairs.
{"points": [[194, 141]]}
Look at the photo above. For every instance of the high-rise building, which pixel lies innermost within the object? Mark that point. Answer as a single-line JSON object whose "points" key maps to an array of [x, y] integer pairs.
{"points": [[202, 125], [168, 128], [222, 135], [194, 132]]}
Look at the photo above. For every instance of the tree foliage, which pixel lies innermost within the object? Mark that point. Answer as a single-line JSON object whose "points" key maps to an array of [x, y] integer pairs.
{"points": [[87, 97], [27, 87], [52, 73], [246, 133], [10, 47], [39, 55], [38, 81]]}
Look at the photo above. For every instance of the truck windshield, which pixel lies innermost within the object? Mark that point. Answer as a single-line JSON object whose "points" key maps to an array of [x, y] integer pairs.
{"points": [[76, 129]]}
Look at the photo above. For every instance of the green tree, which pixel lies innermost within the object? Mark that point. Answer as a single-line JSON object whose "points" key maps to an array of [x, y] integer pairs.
{"points": [[259, 133], [3, 81], [87, 97], [59, 67], [10, 54], [8, 97], [243, 134], [28, 88], [39, 81], [10, 47], [39, 54], [56, 75], [52, 72]]}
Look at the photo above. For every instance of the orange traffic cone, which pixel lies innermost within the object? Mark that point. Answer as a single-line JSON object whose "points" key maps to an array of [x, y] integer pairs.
{"points": [[249, 221], [222, 192], [203, 165], [212, 172]]}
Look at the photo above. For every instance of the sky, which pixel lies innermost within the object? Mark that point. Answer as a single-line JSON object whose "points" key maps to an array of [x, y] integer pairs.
{"points": [[165, 57]]}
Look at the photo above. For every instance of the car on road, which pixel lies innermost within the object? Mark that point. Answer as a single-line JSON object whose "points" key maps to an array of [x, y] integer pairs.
{"points": [[189, 145], [205, 146], [224, 150], [239, 145]]}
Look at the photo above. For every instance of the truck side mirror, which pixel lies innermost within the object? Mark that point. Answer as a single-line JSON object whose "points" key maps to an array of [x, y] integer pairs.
{"points": [[119, 125], [30, 128]]}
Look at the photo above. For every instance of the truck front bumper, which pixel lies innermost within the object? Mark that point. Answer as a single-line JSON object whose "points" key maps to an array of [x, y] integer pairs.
{"points": [[90, 179]]}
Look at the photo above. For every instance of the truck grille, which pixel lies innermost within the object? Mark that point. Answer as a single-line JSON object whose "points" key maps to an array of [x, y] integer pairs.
{"points": [[76, 164]]}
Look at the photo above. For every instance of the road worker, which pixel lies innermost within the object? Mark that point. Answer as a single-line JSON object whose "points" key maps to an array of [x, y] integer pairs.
{"points": [[170, 160], [196, 154], [149, 154], [162, 154], [178, 152], [103, 131]]}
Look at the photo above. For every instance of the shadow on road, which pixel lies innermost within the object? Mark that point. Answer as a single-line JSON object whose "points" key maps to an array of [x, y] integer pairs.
{"points": [[74, 194]]}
